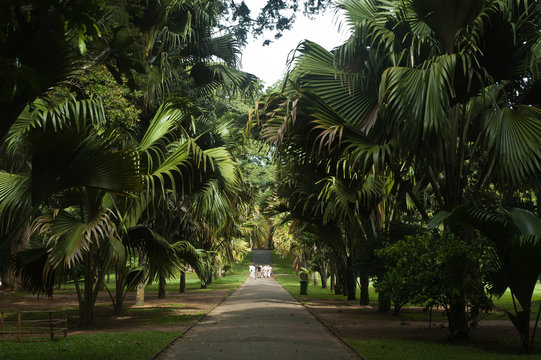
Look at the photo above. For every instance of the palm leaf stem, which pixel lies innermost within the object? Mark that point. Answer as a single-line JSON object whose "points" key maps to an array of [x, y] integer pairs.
{"points": [[436, 187], [407, 186], [535, 326]]}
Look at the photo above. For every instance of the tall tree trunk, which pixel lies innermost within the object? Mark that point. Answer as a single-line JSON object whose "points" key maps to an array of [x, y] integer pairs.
{"points": [[324, 275], [86, 314], [86, 305], [522, 324], [182, 286], [384, 302], [119, 293], [458, 323], [315, 278], [140, 294], [162, 283], [218, 273], [333, 284], [351, 283], [339, 285], [365, 295]]}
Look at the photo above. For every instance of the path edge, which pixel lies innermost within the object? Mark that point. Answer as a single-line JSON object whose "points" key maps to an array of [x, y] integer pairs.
{"points": [[329, 327], [170, 343]]}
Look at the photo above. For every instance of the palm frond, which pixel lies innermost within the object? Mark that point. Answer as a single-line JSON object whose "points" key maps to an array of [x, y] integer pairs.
{"points": [[15, 198], [68, 238], [35, 271], [513, 138]]}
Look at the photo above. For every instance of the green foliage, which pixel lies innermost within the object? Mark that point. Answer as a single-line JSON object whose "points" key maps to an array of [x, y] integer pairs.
{"points": [[432, 269], [516, 239], [38, 40], [119, 102]]}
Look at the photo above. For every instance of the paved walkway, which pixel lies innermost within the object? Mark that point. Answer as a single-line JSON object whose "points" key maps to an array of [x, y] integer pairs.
{"points": [[261, 321]]}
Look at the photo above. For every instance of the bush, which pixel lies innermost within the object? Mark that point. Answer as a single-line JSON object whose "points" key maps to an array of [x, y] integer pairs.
{"points": [[435, 269]]}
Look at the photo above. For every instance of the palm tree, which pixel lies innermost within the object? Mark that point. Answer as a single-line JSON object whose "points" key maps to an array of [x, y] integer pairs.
{"points": [[73, 162], [427, 98], [170, 48], [186, 179]]}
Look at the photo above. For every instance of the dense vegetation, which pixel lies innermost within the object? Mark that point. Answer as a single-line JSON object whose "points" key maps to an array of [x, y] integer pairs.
{"points": [[408, 157], [124, 159]]}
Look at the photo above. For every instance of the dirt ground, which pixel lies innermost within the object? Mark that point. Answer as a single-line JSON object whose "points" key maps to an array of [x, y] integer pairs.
{"points": [[191, 305], [363, 322], [350, 321]]}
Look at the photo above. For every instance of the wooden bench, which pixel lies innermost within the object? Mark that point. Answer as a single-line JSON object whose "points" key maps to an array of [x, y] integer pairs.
{"points": [[32, 327]]}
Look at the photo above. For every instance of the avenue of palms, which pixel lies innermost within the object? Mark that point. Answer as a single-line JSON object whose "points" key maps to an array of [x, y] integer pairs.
{"points": [[406, 160]]}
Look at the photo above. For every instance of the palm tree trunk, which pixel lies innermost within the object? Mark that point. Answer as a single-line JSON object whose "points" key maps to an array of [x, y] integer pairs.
{"points": [[324, 275], [211, 273], [86, 306], [140, 294], [218, 273], [384, 303], [182, 286], [365, 295], [458, 323], [119, 295], [351, 283], [333, 287], [161, 286]]}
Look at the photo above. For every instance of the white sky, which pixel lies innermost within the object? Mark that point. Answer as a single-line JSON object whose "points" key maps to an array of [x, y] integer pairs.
{"points": [[269, 62]]}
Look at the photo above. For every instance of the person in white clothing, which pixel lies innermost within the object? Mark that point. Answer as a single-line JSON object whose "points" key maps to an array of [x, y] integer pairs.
{"points": [[252, 270]]}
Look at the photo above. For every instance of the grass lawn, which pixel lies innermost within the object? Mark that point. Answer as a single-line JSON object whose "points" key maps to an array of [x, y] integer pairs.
{"points": [[396, 349], [506, 302], [118, 346], [292, 284], [399, 349]]}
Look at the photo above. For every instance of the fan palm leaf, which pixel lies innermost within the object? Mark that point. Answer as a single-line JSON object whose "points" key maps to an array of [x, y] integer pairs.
{"points": [[15, 198], [69, 238]]}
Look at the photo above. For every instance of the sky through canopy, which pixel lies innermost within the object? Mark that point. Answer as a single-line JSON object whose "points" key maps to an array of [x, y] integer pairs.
{"points": [[269, 62]]}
